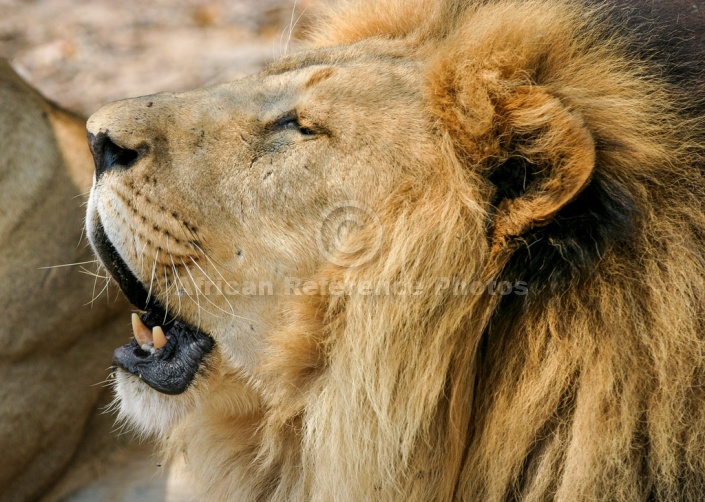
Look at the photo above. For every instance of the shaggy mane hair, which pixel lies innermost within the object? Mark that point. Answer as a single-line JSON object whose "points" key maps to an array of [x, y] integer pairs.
{"points": [[589, 387]]}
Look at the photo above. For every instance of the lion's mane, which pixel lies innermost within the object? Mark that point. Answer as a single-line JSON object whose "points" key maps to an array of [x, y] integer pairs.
{"points": [[588, 387]]}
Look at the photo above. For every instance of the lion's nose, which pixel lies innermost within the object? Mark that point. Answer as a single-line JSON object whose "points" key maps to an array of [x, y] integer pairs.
{"points": [[107, 155]]}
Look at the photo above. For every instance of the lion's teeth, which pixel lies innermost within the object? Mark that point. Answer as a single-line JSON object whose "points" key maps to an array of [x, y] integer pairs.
{"points": [[159, 337], [142, 333]]}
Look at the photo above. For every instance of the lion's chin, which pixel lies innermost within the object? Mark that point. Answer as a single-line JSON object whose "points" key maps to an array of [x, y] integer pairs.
{"points": [[146, 411]]}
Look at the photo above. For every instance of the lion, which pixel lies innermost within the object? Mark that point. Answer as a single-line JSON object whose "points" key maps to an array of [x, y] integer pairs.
{"points": [[57, 440], [448, 250]]}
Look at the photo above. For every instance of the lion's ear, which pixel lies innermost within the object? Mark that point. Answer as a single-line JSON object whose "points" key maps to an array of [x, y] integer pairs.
{"points": [[537, 152], [558, 148]]}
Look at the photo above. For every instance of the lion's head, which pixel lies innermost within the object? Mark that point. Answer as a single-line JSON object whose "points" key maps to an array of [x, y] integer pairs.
{"points": [[453, 249]]}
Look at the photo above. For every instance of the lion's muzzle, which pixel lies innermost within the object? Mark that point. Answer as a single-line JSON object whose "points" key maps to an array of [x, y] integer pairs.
{"points": [[166, 352]]}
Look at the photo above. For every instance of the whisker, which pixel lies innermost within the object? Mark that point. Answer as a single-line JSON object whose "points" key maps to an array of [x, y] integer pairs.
{"points": [[85, 271], [95, 282], [213, 261], [104, 383], [84, 194], [68, 264], [292, 25], [105, 288], [141, 254], [151, 280], [176, 277], [198, 302], [224, 281], [211, 301], [83, 232], [166, 294], [232, 310]]}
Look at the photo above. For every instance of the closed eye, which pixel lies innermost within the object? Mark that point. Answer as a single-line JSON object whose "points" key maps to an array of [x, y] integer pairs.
{"points": [[290, 121]]}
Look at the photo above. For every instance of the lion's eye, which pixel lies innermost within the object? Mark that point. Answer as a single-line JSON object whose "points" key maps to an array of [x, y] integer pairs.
{"points": [[291, 122]]}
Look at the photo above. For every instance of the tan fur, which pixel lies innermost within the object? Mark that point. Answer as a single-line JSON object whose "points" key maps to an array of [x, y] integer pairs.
{"points": [[593, 392]]}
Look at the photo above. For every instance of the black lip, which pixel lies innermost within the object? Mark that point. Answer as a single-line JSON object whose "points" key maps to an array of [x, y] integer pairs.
{"points": [[129, 284], [171, 369]]}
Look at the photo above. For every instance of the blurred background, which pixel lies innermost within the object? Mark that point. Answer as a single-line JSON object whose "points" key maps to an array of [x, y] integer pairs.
{"points": [[84, 53]]}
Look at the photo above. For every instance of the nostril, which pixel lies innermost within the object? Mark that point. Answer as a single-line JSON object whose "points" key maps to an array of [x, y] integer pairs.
{"points": [[107, 155], [114, 155]]}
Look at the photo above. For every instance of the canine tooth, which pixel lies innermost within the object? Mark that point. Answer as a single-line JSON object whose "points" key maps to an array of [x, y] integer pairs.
{"points": [[159, 337], [142, 333]]}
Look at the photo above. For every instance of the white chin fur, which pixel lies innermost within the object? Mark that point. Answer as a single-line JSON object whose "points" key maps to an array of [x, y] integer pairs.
{"points": [[146, 411]]}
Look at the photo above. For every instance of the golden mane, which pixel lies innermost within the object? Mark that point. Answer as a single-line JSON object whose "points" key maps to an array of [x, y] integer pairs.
{"points": [[587, 388], [519, 143]]}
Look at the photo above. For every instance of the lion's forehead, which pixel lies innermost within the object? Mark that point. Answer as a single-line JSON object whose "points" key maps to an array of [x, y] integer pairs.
{"points": [[304, 80]]}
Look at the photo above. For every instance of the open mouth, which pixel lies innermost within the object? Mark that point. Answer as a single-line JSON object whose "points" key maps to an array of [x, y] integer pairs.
{"points": [[165, 353]]}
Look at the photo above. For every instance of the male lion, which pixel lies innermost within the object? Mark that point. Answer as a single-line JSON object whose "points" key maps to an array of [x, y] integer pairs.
{"points": [[524, 146]]}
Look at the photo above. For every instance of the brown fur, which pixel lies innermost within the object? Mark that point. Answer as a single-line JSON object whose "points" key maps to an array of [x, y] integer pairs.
{"points": [[588, 388]]}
